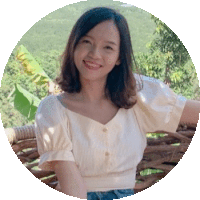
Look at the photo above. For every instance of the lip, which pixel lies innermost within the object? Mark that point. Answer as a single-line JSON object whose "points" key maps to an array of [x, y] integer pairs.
{"points": [[87, 65]]}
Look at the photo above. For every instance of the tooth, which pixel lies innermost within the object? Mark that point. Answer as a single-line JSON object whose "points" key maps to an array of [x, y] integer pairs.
{"points": [[92, 65]]}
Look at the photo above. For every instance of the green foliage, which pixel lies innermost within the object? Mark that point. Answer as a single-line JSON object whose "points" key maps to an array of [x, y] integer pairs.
{"points": [[169, 61], [170, 45], [152, 64], [22, 100], [25, 102], [50, 62], [183, 80], [14, 74], [10, 117], [31, 66]]}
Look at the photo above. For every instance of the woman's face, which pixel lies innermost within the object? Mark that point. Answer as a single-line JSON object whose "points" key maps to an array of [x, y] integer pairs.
{"points": [[97, 52]]}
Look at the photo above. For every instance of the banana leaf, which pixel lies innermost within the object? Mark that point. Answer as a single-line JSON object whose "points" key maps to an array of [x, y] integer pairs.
{"points": [[23, 101], [31, 66]]}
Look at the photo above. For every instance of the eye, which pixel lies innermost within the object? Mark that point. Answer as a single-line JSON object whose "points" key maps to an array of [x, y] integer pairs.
{"points": [[86, 41], [109, 47]]}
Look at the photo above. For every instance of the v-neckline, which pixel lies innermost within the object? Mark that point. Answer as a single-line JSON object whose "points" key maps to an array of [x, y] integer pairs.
{"points": [[81, 115]]}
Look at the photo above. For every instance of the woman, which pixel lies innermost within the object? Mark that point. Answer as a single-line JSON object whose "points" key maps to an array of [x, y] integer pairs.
{"points": [[93, 134]]}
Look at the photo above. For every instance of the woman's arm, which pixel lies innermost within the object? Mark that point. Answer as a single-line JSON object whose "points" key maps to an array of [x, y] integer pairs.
{"points": [[70, 179], [190, 115]]}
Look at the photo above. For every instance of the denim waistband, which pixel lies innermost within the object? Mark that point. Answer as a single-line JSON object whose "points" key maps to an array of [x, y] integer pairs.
{"points": [[110, 195]]}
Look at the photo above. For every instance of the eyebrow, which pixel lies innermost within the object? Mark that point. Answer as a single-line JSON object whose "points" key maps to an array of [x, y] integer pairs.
{"points": [[110, 42]]}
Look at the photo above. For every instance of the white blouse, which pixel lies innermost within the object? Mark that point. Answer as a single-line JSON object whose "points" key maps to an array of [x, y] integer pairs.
{"points": [[106, 155]]}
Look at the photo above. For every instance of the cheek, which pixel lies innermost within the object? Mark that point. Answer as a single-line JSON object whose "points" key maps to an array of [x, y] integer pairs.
{"points": [[77, 55], [111, 60]]}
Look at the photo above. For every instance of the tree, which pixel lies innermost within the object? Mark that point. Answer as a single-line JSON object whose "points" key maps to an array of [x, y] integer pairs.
{"points": [[169, 44], [169, 61]]}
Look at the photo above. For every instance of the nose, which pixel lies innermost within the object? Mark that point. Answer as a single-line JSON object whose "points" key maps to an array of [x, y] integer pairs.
{"points": [[94, 53]]}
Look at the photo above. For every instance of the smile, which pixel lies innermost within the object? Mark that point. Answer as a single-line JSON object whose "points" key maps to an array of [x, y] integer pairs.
{"points": [[91, 65]]}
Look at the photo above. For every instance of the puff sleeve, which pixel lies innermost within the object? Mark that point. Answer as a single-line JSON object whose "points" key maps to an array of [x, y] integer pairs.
{"points": [[158, 108], [52, 133]]}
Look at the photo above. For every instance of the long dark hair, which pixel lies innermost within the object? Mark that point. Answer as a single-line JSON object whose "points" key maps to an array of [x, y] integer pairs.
{"points": [[121, 84]]}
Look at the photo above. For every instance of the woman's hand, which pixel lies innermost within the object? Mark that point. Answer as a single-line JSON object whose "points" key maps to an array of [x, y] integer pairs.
{"points": [[190, 115], [70, 179]]}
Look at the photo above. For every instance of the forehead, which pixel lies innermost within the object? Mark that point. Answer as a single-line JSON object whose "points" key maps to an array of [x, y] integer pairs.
{"points": [[104, 31]]}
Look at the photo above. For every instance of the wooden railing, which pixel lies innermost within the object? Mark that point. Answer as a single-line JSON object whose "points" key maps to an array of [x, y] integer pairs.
{"points": [[161, 155]]}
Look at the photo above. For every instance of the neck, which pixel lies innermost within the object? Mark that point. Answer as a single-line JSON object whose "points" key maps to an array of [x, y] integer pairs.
{"points": [[93, 91]]}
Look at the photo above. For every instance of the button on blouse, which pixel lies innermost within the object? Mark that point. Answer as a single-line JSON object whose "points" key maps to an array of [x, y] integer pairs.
{"points": [[107, 154], [105, 130]]}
